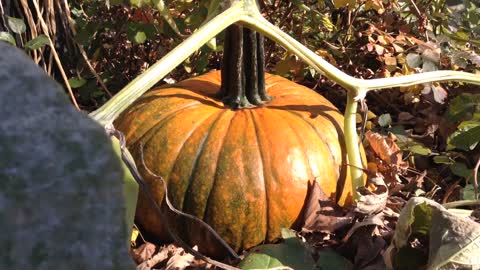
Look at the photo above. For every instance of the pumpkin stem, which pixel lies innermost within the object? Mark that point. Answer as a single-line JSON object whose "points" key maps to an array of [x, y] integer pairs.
{"points": [[243, 75]]}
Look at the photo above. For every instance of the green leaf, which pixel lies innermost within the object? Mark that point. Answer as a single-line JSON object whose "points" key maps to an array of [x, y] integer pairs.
{"points": [[466, 138], [413, 220], [384, 120], [140, 37], [76, 82], [7, 37], [460, 169], [202, 62], [460, 107], [442, 160], [420, 149], [291, 253], [414, 60], [37, 42], [330, 260], [468, 193], [16, 25]]}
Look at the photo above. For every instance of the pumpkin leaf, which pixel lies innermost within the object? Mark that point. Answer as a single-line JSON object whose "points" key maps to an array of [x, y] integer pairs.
{"points": [[330, 260], [37, 42], [461, 107], [290, 254], [454, 242], [467, 136], [460, 169], [420, 149], [5, 36], [16, 25]]}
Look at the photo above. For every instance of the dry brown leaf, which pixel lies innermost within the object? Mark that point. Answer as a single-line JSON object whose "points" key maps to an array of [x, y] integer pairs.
{"points": [[372, 202], [321, 213], [143, 253], [180, 259], [385, 148]]}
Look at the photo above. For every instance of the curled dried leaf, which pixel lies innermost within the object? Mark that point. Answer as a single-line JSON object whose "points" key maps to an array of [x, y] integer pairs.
{"points": [[372, 202], [322, 214], [385, 148]]}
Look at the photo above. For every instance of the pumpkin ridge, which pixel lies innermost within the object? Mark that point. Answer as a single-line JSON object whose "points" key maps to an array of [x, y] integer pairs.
{"points": [[168, 116], [215, 177], [320, 135], [184, 144], [158, 127], [298, 137], [260, 151], [271, 167], [197, 158]]}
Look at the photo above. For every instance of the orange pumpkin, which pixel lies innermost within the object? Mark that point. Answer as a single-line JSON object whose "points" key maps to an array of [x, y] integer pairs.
{"points": [[245, 172]]}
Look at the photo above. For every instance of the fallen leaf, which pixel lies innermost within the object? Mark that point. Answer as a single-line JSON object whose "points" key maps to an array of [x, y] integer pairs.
{"points": [[321, 213], [454, 242], [372, 202], [143, 253], [385, 148], [180, 259], [365, 248]]}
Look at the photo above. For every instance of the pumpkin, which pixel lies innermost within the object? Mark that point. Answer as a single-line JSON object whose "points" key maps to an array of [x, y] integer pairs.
{"points": [[245, 172]]}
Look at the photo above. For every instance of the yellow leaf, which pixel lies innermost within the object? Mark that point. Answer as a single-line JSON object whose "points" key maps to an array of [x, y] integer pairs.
{"points": [[134, 236], [344, 3]]}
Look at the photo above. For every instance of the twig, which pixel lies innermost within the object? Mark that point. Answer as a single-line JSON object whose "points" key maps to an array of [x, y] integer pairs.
{"points": [[83, 53], [2, 14], [475, 178], [55, 54], [461, 203], [131, 166], [31, 24]]}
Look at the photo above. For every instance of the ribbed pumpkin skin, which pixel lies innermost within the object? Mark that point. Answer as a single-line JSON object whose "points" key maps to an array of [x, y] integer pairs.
{"points": [[245, 172]]}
